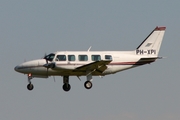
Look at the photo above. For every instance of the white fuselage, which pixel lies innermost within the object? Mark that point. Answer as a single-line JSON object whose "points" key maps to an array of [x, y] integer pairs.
{"points": [[120, 60], [92, 63]]}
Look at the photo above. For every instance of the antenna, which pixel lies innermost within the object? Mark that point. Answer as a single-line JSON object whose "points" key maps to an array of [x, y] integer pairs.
{"points": [[89, 49]]}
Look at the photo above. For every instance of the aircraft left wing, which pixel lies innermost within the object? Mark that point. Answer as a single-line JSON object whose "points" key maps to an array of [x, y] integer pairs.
{"points": [[98, 66]]}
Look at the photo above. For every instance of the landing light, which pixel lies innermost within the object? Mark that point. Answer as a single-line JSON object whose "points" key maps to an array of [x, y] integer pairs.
{"points": [[29, 75]]}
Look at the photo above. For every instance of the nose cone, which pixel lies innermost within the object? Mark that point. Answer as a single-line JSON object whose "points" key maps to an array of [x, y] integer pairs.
{"points": [[30, 66], [16, 68]]}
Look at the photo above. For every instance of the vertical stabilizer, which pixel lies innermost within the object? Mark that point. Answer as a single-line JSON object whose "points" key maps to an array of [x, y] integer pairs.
{"points": [[151, 45]]}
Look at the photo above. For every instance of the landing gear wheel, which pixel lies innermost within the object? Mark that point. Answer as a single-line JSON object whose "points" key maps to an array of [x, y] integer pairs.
{"points": [[88, 84], [30, 86], [66, 87]]}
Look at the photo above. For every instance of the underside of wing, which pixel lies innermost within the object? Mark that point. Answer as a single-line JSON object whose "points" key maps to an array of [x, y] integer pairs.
{"points": [[97, 66]]}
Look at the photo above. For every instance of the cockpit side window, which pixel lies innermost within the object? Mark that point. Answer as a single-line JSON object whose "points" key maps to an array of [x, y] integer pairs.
{"points": [[49, 57], [61, 58]]}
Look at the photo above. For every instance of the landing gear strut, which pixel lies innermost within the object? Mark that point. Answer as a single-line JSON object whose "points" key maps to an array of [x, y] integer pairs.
{"points": [[88, 84], [30, 85], [66, 87]]}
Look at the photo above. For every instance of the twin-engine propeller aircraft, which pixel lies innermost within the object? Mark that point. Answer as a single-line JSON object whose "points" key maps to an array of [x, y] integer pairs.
{"points": [[92, 63]]}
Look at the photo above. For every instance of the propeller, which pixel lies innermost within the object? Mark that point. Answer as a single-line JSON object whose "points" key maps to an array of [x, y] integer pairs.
{"points": [[44, 56], [48, 65], [54, 79]]}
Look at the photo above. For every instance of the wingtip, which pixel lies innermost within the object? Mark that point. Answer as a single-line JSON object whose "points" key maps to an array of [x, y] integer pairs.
{"points": [[160, 28]]}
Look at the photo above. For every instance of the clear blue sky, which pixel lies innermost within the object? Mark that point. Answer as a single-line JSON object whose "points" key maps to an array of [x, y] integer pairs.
{"points": [[31, 28]]}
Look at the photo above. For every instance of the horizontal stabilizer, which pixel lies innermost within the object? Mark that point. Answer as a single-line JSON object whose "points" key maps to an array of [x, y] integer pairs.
{"points": [[143, 61]]}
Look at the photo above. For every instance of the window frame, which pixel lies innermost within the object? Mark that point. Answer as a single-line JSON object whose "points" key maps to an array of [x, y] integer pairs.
{"points": [[71, 55], [50, 57], [110, 57], [96, 55], [86, 56], [61, 60]]}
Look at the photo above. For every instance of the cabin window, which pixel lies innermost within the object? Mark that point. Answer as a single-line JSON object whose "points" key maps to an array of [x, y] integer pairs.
{"points": [[108, 57], [83, 58], [95, 57], [71, 58], [61, 58]]}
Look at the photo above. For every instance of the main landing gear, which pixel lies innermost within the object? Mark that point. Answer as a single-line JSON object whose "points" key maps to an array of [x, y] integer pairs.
{"points": [[66, 87], [88, 84]]}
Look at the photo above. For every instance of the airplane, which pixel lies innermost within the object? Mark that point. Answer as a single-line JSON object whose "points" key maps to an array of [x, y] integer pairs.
{"points": [[92, 63]]}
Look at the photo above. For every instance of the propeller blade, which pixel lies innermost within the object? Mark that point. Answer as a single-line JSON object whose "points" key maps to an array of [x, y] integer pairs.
{"points": [[44, 56], [47, 66], [47, 72], [54, 79]]}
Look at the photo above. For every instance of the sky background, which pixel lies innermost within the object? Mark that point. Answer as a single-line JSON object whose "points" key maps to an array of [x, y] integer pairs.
{"points": [[31, 28]]}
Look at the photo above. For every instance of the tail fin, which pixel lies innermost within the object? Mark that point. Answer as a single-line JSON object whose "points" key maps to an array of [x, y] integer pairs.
{"points": [[151, 45]]}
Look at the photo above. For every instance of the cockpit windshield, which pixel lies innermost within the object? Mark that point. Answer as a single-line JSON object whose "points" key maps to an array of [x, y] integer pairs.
{"points": [[49, 57]]}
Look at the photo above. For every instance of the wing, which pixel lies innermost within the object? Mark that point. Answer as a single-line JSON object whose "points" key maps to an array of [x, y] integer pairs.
{"points": [[98, 66]]}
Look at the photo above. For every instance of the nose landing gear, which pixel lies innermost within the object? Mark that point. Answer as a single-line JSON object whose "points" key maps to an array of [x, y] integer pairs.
{"points": [[30, 85]]}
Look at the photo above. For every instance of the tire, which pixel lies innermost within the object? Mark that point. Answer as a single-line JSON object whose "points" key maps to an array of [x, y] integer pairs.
{"points": [[66, 87], [30, 86], [88, 84]]}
